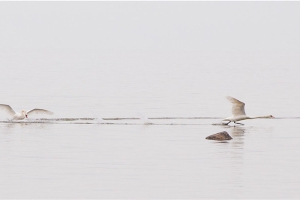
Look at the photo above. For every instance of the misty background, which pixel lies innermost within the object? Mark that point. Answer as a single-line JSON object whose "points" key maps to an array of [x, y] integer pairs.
{"points": [[149, 59], [114, 59]]}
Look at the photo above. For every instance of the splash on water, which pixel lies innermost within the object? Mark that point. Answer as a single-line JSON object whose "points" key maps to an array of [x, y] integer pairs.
{"points": [[145, 119], [124, 121]]}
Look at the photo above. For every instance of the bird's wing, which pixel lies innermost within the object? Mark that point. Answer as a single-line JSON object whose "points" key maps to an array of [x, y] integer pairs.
{"points": [[39, 111], [238, 107], [8, 109]]}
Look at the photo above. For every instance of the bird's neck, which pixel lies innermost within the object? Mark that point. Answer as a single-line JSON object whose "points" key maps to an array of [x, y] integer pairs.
{"points": [[267, 116], [23, 114]]}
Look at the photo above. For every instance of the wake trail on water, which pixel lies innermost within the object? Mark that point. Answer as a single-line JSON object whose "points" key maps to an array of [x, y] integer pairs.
{"points": [[121, 120]]}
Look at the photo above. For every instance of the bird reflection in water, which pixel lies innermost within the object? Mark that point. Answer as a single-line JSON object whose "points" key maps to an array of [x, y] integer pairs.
{"points": [[237, 133], [16, 127]]}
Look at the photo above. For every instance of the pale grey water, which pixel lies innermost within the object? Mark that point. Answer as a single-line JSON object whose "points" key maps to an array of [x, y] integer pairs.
{"points": [[180, 62], [150, 161]]}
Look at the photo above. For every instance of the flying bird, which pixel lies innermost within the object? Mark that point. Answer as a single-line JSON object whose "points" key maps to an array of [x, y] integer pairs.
{"points": [[23, 114], [238, 112]]}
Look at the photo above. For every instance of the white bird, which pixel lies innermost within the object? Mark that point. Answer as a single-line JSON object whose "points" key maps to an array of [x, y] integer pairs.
{"points": [[238, 111], [24, 114]]}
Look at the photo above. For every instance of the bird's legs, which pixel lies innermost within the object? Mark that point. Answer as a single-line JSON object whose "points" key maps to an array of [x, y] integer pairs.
{"points": [[238, 123], [227, 123]]}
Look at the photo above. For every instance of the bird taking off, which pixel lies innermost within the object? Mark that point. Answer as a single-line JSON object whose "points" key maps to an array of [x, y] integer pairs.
{"points": [[23, 114], [238, 112]]}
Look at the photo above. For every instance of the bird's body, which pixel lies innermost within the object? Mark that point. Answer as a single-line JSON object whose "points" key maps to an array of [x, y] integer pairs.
{"points": [[238, 112], [19, 116], [23, 114], [236, 118]]}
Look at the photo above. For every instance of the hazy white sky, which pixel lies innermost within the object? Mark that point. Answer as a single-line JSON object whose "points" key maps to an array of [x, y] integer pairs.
{"points": [[130, 56], [176, 26]]}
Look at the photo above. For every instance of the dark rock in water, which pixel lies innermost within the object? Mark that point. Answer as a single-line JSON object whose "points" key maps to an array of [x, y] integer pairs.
{"points": [[219, 136]]}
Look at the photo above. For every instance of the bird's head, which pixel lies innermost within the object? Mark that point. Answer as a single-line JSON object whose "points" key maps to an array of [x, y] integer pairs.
{"points": [[271, 116], [24, 113]]}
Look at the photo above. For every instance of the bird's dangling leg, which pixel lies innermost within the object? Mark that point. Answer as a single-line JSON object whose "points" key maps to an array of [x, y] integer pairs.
{"points": [[227, 123], [238, 123]]}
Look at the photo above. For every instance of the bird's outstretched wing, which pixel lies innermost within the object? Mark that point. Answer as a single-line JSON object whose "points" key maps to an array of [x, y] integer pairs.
{"points": [[39, 111], [8, 109], [238, 107]]}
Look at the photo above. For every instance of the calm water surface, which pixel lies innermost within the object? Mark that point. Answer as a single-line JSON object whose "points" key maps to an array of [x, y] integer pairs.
{"points": [[153, 59], [150, 161], [169, 159]]}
